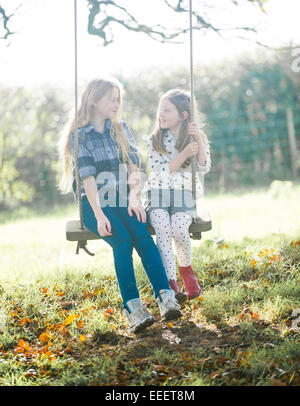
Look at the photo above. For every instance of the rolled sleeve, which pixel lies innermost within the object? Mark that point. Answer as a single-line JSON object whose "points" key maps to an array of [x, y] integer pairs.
{"points": [[86, 163], [133, 149], [204, 168]]}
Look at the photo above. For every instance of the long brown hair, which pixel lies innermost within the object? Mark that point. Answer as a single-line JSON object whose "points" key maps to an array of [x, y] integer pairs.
{"points": [[95, 90], [182, 101]]}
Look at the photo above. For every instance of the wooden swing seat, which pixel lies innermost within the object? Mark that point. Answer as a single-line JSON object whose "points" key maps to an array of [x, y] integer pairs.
{"points": [[75, 233]]}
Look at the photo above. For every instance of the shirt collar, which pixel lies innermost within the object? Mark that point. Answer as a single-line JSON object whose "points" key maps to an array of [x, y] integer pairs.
{"points": [[89, 127]]}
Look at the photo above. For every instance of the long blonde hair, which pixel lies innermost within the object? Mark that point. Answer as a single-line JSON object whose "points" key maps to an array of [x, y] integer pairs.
{"points": [[95, 90], [182, 101]]}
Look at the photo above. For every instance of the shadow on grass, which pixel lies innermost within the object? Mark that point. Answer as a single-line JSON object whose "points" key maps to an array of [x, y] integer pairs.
{"points": [[181, 352]]}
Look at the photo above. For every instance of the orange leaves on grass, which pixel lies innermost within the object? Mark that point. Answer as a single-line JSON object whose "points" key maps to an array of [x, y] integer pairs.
{"points": [[23, 347], [80, 324], [51, 355], [55, 288], [253, 262], [70, 319], [274, 258], [246, 310], [294, 244], [108, 313], [18, 319], [265, 252], [196, 303], [25, 320], [16, 313], [45, 337], [90, 295], [47, 342], [264, 258], [62, 328]]}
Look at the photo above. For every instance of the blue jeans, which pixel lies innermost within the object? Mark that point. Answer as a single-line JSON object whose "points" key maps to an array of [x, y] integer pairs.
{"points": [[128, 232]]}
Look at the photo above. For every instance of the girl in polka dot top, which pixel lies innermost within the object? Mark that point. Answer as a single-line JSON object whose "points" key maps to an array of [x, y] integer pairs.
{"points": [[168, 191]]}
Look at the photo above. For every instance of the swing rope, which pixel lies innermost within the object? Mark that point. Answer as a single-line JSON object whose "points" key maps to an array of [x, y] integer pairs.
{"points": [[193, 160], [76, 143], [80, 244], [191, 60]]}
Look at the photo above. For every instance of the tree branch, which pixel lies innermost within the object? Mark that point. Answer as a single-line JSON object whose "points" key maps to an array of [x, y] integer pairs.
{"points": [[103, 15], [4, 19], [98, 8]]}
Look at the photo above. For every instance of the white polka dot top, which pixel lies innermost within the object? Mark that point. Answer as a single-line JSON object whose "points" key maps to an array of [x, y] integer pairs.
{"points": [[160, 176]]}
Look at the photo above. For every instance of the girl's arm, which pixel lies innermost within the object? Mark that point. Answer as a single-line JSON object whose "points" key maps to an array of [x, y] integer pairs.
{"points": [[133, 165], [90, 187], [203, 157], [161, 163], [177, 162], [134, 180], [87, 172]]}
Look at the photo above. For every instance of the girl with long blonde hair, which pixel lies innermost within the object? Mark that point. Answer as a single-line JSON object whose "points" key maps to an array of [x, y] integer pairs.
{"points": [[168, 191], [110, 202]]}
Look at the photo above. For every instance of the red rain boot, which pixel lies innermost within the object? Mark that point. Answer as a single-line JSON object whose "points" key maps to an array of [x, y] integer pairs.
{"points": [[181, 297], [190, 281]]}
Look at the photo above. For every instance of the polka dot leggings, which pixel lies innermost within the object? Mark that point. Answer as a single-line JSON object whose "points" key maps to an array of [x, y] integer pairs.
{"points": [[166, 227]]}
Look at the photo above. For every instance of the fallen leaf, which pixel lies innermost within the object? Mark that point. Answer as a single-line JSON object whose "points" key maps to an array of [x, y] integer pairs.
{"points": [[44, 337], [80, 324], [25, 320], [70, 319]]}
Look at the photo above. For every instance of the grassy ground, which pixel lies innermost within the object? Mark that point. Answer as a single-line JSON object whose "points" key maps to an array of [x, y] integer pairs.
{"points": [[61, 320]]}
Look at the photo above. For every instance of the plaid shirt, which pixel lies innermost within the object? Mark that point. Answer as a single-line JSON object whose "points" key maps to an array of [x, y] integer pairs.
{"points": [[99, 155]]}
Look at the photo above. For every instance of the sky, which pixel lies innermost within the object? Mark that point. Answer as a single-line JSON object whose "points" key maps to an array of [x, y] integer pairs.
{"points": [[42, 50]]}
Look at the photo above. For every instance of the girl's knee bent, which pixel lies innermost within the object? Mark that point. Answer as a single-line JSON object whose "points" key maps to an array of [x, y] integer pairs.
{"points": [[160, 221]]}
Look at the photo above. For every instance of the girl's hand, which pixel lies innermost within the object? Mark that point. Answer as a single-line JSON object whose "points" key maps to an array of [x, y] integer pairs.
{"points": [[103, 225], [135, 206], [191, 149], [194, 131]]}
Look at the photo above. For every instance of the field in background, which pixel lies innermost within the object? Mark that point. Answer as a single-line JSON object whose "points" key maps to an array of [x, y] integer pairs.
{"points": [[61, 321]]}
